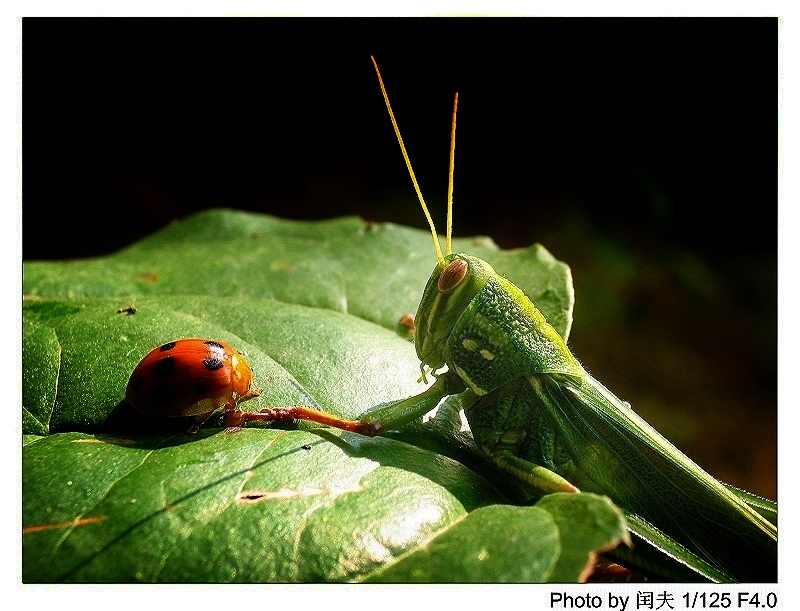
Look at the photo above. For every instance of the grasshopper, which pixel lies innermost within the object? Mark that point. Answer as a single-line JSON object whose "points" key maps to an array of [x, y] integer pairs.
{"points": [[541, 417]]}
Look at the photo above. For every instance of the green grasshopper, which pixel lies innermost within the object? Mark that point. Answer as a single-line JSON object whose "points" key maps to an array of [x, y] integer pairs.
{"points": [[538, 415]]}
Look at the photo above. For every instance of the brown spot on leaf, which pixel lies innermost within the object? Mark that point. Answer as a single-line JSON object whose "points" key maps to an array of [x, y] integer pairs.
{"points": [[251, 496], [117, 441], [256, 496], [56, 525], [406, 326], [149, 277]]}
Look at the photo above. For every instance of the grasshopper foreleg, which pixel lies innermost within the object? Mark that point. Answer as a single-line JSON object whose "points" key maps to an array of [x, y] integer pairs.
{"points": [[386, 418]]}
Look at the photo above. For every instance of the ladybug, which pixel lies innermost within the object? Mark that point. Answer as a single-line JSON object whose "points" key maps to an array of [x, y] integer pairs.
{"points": [[192, 377]]}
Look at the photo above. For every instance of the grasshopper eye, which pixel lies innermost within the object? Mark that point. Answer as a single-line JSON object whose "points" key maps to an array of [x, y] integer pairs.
{"points": [[452, 275]]}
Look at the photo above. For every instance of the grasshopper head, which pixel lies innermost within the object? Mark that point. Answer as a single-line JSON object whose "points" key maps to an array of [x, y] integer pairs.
{"points": [[448, 294]]}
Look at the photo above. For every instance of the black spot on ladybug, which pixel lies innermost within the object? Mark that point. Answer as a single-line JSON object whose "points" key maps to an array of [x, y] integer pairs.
{"points": [[165, 366], [213, 344], [136, 382], [200, 389], [212, 363], [167, 347]]}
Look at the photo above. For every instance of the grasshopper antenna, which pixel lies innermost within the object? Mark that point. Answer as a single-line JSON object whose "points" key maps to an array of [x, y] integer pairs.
{"points": [[448, 239], [436, 244]]}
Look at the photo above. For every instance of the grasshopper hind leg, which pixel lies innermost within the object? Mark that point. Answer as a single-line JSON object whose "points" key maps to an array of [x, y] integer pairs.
{"points": [[503, 425], [540, 478]]}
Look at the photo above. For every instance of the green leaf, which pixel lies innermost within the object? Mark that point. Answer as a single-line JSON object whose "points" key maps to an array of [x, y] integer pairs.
{"points": [[250, 506], [371, 271], [300, 354], [555, 541], [41, 359], [319, 308]]}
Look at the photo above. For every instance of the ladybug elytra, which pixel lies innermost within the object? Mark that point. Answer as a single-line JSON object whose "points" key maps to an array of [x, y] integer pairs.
{"points": [[192, 377]]}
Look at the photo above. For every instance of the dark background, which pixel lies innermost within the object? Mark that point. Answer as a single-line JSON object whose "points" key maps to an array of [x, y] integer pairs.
{"points": [[643, 152]]}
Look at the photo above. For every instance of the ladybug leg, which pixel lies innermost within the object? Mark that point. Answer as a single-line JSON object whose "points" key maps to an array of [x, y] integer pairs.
{"points": [[233, 417], [199, 422], [251, 394]]}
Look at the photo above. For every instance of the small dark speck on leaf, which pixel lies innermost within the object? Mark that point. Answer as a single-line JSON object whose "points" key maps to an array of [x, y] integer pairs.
{"points": [[129, 310]]}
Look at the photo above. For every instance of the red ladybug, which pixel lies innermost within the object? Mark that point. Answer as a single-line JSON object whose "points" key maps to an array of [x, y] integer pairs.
{"points": [[192, 377]]}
